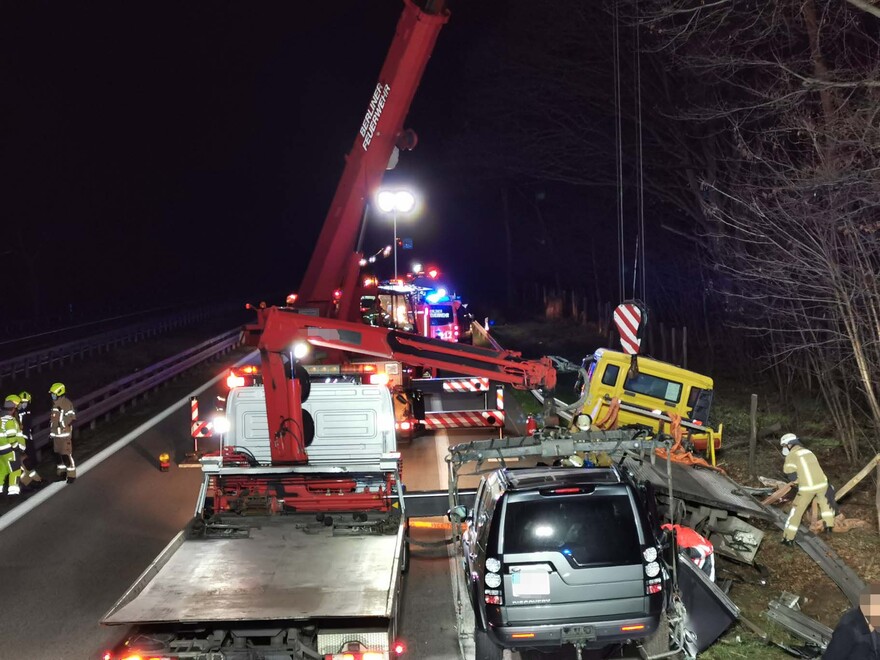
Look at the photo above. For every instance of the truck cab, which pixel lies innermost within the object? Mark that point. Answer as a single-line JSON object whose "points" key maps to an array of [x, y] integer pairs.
{"points": [[351, 423], [556, 556], [656, 389]]}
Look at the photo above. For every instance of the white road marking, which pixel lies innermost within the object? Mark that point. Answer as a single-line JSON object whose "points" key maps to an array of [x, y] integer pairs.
{"points": [[46, 492]]}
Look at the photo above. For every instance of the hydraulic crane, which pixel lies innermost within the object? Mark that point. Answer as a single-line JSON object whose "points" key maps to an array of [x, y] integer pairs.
{"points": [[330, 286], [285, 382]]}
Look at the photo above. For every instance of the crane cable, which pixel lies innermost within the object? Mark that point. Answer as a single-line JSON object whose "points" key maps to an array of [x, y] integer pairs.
{"points": [[640, 245], [619, 153], [639, 283]]}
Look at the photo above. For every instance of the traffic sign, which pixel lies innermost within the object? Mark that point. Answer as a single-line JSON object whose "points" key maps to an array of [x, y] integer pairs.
{"points": [[407, 244]]}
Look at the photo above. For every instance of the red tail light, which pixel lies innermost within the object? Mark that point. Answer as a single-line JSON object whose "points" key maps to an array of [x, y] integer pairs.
{"points": [[494, 600], [399, 648], [654, 589]]}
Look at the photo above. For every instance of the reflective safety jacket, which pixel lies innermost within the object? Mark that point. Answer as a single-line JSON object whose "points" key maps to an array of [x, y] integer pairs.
{"points": [[810, 477], [10, 434], [62, 418]]}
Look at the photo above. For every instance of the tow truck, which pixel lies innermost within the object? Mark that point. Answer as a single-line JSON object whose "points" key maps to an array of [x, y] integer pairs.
{"points": [[297, 559]]}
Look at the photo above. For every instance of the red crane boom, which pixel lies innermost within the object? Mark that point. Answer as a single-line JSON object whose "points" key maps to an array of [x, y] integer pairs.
{"points": [[284, 328], [334, 263]]}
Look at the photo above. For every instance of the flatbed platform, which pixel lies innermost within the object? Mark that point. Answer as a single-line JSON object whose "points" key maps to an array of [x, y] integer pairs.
{"points": [[700, 485], [282, 570]]}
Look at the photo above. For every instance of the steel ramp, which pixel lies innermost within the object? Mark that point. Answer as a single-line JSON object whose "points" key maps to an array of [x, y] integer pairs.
{"points": [[700, 485]]}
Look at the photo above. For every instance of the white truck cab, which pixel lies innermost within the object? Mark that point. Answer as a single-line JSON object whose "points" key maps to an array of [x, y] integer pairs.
{"points": [[353, 423]]}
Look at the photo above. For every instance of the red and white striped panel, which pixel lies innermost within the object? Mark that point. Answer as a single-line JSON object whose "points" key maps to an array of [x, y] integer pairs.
{"points": [[464, 419], [628, 318], [466, 385], [201, 429], [198, 429]]}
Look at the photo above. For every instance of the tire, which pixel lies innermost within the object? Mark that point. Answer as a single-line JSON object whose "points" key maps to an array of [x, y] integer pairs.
{"points": [[485, 647], [308, 428]]}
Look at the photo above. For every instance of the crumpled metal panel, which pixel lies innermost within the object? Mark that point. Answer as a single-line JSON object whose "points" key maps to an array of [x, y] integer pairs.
{"points": [[699, 485]]}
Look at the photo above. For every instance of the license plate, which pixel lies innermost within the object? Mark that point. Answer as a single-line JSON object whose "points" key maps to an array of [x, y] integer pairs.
{"points": [[531, 583], [578, 633]]}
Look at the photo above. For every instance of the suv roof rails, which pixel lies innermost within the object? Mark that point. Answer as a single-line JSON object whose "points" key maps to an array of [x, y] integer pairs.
{"points": [[541, 477]]}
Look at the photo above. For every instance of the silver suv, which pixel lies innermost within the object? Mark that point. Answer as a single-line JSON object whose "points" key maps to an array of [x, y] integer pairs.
{"points": [[557, 556]]}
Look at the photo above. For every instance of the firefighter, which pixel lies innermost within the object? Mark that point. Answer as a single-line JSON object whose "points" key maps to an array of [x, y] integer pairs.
{"points": [[802, 467], [10, 439], [61, 431], [696, 546], [28, 454]]}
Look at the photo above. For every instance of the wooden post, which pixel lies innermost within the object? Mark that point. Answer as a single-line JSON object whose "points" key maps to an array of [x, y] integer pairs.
{"points": [[674, 348], [852, 483], [753, 435], [663, 342]]}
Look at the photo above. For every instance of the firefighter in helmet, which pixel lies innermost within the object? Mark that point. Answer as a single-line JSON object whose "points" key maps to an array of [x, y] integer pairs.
{"points": [[28, 454], [10, 441], [61, 431], [802, 467]]}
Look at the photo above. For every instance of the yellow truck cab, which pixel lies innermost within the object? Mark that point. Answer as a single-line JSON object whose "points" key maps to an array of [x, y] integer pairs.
{"points": [[647, 398]]}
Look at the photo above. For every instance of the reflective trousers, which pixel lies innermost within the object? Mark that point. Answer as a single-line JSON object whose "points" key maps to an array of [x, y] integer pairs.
{"points": [[801, 503], [9, 471]]}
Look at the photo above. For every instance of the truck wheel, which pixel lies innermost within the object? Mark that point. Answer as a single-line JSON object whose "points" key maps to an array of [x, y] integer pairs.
{"points": [[485, 647], [308, 428], [658, 643]]}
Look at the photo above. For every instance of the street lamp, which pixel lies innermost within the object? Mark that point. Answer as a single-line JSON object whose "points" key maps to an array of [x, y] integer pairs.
{"points": [[394, 202]]}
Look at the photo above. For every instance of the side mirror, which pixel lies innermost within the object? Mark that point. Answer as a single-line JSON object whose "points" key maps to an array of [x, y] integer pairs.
{"points": [[458, 514]]}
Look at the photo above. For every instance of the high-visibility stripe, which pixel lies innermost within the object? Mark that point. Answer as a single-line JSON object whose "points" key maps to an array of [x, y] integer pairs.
{"points": [[466, 385]]}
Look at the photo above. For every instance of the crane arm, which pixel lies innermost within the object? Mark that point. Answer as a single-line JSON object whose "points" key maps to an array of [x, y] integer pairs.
{"points": [[334, 261], [284, 328]]}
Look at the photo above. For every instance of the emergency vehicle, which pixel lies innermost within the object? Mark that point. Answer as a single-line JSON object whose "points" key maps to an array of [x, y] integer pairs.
{"points": [[298, 559]]}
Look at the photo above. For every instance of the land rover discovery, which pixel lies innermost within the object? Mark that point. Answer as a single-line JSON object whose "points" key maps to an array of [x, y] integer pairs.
{"points": [[557, 556]]}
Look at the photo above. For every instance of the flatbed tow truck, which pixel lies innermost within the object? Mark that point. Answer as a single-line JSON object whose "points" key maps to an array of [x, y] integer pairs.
{"points": [[298, 559]]}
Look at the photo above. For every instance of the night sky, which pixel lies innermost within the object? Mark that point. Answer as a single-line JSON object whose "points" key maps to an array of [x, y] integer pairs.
{"points": [[163, 152]]}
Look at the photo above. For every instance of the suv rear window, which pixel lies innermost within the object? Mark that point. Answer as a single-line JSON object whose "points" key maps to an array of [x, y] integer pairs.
{"points": [[591, 529]]}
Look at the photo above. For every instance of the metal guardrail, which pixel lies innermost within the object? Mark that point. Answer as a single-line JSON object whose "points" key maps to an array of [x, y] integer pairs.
{"points": [[96, 344], [94, 405]]}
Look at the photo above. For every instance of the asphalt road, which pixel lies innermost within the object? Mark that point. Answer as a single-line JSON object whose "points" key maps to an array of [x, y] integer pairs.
{"points": [[75, 548], [70, 557]]}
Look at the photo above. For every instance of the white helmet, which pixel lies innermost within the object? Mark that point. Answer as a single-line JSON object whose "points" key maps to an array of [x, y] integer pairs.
{"points": [[574, 461], [583, 422], [788, 439]]}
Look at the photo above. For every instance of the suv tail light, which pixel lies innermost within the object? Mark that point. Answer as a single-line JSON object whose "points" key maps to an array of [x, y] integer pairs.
{"points": [[494, 599]]}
